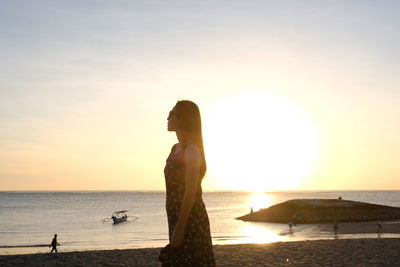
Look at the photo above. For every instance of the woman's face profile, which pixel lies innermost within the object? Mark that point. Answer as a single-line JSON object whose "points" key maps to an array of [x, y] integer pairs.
{"points": [[172, 120]]}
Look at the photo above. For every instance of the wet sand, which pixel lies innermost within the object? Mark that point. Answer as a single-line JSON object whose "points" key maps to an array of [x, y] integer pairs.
{"points": [[341, 252]]}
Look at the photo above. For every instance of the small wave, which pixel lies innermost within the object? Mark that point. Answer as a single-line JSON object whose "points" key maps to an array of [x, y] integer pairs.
{"points": [[228, 237], [158, 239], [149, 239], [26, 246]]}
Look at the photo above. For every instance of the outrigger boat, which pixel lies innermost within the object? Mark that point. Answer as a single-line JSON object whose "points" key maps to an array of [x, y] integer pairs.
{"points": [[119, 216]]}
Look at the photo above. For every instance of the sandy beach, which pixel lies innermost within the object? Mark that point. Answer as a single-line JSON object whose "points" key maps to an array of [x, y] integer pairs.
{"points": [[341, 252]]}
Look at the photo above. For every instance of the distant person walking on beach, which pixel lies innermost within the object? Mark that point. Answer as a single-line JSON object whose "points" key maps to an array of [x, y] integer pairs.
{"points": [[378, 228], [188, 224], [54, 244], [335, 227], [294, 220], [290, 223]]}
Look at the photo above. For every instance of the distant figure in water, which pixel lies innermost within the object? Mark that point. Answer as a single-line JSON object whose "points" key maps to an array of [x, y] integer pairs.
{"points": [[378, 228], [340, 198], [335, 227], [54, 244], [188, 223], [290, 226], [294, 217]]}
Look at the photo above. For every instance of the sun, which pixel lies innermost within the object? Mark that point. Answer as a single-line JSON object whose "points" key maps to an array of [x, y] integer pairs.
{"points": [[258, 142]]}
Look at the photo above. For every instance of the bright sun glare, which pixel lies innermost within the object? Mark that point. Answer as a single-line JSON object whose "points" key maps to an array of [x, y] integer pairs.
{"points": [[258, 142]]}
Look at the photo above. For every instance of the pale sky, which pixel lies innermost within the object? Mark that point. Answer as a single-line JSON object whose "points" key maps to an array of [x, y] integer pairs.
{"points": [[304, 92]]}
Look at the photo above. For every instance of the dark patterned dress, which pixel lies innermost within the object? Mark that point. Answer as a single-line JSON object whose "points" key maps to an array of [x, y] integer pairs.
{"points": [[197, 245]]}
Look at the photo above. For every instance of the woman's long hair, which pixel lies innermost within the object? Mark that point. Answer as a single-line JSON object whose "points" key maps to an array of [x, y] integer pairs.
{"points": [[190, 122]]}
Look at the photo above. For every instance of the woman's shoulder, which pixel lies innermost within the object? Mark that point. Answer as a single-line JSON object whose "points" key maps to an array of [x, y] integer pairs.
{"points": [[192, 148], [192, 154]]}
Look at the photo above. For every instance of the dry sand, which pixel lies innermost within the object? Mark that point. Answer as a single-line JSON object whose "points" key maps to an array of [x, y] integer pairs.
{"points": [[341, 252]]}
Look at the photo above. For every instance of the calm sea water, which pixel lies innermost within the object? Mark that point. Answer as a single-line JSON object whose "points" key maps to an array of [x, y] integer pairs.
{"points": [[29, 219]]}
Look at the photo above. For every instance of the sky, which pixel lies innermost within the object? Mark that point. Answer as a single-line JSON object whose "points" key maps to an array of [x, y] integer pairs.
{"points": [[294, 95]]}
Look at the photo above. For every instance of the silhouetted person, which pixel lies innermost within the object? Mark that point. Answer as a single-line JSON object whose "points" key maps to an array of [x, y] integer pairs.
{"points": [[378, 228], [335, 228], [54, 244], [251, 210], [290, 226], [294, 218]]}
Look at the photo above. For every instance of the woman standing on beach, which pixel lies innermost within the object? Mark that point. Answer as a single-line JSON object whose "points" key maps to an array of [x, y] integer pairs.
{"points": [[188, 224]]}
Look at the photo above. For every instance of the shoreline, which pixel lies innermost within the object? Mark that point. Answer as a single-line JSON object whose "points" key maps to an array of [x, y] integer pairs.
{"points": [[340, 252], [366, 227], [299, 233]]}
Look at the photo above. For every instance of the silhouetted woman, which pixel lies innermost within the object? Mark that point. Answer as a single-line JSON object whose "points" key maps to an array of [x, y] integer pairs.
{"points": [[188, 224]]}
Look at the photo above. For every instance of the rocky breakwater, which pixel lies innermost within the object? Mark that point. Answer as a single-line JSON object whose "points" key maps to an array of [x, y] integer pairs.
{"points": [[322, 211]]}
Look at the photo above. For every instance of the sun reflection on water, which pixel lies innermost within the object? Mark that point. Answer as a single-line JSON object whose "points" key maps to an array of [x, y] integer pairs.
{"points": [[256, 233]]}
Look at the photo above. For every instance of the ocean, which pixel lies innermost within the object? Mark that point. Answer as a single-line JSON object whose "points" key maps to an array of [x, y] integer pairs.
{"points": [[30, 219]]}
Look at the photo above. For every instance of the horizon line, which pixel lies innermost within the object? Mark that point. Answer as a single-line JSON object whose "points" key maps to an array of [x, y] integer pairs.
{"points": [[205, 191]]}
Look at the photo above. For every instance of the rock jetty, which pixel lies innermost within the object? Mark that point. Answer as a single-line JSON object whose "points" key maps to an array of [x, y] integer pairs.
{"points": [[322, 211]]}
